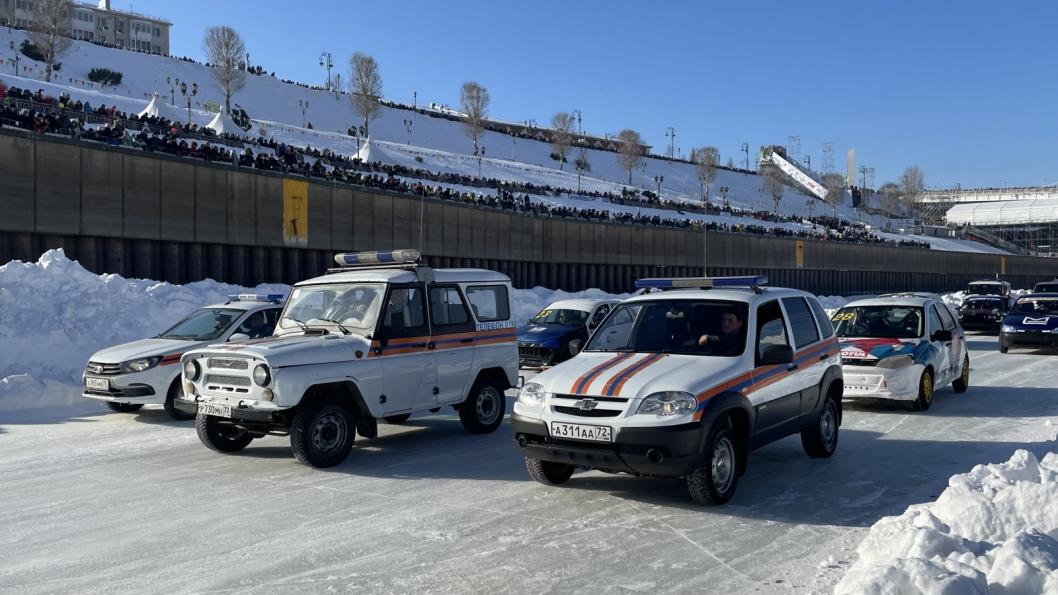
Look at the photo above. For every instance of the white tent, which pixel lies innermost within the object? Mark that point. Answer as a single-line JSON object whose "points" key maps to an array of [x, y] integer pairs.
{"points": [[223, 124], [159, 109], [1006, 212]]}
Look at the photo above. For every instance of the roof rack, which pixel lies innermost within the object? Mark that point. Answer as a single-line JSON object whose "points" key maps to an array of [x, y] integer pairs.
{"points": [[754, 282], [918, 294], [275, 298]]}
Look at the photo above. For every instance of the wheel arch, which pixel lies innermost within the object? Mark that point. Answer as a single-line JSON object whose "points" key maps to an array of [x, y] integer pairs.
{"points": [[348, 394], [736, 408]]}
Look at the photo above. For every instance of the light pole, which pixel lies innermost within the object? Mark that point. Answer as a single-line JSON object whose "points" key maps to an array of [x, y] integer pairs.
{"points": [[188, 96], [407, 127], [325, 61], [479, 153], [670, 133], [172, 89], [304, 105], [580, 130], [658, 180], [745, 149], [17, 59]]}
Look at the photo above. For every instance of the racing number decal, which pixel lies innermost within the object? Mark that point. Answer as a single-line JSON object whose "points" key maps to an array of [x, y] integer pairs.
{"points": [[842, 316]]}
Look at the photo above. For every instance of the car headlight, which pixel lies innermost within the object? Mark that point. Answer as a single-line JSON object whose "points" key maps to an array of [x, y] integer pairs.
{"points": [[531, 394], [261, 375], [1007, 329], [897, 361], [191, 370], [669, 403], [139, 365]]}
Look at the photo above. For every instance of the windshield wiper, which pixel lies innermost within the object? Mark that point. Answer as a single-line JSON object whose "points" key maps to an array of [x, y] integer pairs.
{"points": [[337, 324], [303, 326]]}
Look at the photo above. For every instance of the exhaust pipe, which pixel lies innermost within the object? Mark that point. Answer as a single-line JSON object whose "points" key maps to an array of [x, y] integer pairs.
{"points": [[655, 456]]}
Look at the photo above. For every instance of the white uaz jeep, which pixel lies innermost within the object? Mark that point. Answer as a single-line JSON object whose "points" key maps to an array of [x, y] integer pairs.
{"points": [[379, 338]]}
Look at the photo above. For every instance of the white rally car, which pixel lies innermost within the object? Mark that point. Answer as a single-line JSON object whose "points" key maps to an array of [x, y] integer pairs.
{"points": [[128, 376], [381, 337], [901, 347], [685, 383]]}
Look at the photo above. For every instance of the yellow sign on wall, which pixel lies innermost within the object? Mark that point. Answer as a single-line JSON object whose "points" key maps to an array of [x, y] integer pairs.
{"points": [[800, 254], [295, 212], [1002, 265]]}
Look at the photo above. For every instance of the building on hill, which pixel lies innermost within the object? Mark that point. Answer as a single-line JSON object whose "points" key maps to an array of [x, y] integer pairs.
{"points": [[98, 23]]}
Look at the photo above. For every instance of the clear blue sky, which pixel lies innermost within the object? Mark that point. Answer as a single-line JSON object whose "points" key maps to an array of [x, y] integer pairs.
{"points": [[966, 90]]}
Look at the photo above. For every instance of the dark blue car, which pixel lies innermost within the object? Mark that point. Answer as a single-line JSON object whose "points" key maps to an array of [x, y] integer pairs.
{"points": [[559, 331], [1032, 322]]}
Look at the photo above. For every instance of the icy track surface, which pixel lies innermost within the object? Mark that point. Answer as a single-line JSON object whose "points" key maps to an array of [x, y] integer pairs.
{"points": [[134, 503]]}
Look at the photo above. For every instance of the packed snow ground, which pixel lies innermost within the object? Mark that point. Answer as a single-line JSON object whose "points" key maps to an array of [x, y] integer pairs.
{"points": [[441, 143]]}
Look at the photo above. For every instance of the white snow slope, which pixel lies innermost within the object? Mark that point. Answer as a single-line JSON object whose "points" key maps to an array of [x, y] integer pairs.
{"points": [[275, 105]]}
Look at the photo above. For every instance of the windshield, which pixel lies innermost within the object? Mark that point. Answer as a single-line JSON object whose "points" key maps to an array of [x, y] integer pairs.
{"points": [[1036, 307], [1046, 287], [985, 289], [354, 306], [548, 316], [881, 322], [203, 325], [689, 327], [983, 303]]}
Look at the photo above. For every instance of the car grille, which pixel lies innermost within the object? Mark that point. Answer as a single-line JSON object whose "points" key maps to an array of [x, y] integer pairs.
{"points": [[586, 412], [227, 363], [98, 369], [238, 384], [534, 356], [859, 362]]}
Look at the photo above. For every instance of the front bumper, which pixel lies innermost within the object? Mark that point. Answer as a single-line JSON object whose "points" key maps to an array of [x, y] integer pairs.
{"points": [[680, 448], [868, 382], [242, 410], [531, 356], [1028, 339], [981, 321]]}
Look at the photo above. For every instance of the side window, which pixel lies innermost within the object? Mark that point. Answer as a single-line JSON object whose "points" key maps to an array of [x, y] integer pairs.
{"points": [[802, 324], [934, 320], [255, 326], [405, 315], [600, 313], [825, 325], [771, 329], [489, 302], [945, 317], [447, 307]]}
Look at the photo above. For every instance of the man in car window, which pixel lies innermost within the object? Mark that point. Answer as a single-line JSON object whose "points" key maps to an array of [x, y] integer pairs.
{"points": [[729, 342]]}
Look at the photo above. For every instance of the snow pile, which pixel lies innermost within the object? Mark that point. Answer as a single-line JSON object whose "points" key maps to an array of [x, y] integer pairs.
{"points": [[54, 314], [993, 530]]}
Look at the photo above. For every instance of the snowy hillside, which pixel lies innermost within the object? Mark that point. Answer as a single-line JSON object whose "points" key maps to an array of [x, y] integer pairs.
{"points": [[276, 105]]}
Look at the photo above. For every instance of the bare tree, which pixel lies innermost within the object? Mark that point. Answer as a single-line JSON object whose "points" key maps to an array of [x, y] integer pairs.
{"points": [[730, 163], [835, 185], [771, 177], [50, 31], [890, 193], [474, 100], [365, 88], [911, 184], [224, 49], [561, 135], [629, 151], [706, 158]]}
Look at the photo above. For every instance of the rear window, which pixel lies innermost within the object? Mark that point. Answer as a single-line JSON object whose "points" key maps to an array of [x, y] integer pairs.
{"points": [[821, 317], [802, 324], [489, 302]]}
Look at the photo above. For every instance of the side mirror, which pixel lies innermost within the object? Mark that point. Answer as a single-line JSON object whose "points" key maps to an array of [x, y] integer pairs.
{"points": [[941, 335], [238, 337], [772, 355]]}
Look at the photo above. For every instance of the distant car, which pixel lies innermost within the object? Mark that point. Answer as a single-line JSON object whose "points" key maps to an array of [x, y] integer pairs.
{"points": [[147, 371], [560, 330], [990, 287], [984, 312], [901, 347], [1046, 287], [1032, 322]]}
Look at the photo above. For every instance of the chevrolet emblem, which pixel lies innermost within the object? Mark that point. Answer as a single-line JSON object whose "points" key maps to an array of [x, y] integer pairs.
{"points": [[586, 404]]}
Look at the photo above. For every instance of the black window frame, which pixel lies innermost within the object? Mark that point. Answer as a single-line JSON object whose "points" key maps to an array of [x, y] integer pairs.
{"points": [[826, 327], [449, 328], [489, 286], [405, 333], [758, 325], [810, 319]]}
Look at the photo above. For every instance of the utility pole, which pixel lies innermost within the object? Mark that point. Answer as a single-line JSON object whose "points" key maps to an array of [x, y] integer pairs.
{"points": [[325, 61], [407, 127], [745, 149], [670, 132]]}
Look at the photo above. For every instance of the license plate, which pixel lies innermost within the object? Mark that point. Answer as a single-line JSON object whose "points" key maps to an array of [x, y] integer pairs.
{"points": [[581, 432], [102, 384], [214, 410]]}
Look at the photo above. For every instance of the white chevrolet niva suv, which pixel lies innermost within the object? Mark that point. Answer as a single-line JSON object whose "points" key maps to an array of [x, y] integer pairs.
{"points": [[685, 383], [381, 337]]}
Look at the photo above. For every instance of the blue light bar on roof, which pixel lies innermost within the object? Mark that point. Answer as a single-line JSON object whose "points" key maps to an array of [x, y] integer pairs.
{"points": [[702, 282], [383, 257], [256, 297]]}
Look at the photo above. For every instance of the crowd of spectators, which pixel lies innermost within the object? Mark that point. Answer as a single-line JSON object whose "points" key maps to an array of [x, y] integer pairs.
{"points": [[40, 113]]}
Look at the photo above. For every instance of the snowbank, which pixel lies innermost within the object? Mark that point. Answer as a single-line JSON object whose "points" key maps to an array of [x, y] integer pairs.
{"points": [[993, 530]]}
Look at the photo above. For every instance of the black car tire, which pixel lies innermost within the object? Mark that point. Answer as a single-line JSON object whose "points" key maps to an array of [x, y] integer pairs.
{"points": [[322, 434], [219, 436], [483, 409], [547, 472], [715, 479], [175, 390], [925, 392], [821, 439], [962, 383]]}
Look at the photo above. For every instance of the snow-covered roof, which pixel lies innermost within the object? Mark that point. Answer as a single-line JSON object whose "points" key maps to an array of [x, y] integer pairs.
{"points": [[1007, 212], [223, 124], [160, 109]]}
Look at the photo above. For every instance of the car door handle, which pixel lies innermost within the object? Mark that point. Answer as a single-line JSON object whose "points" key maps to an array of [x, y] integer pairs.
{"points": [[823, 357], [430, 345], [792, 367]]}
